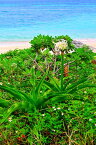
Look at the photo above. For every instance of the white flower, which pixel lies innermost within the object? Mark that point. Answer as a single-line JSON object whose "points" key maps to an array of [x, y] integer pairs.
{"points": [[95, 124], [1, 83], [54, 108], [90, 119], [58, 108], [34, 66], [44, 49], [10, 119], [51, 52], [53, 130], [62, 113], [61, 45], [85, 92], [71, 51], [43, 114], [16, 131]]}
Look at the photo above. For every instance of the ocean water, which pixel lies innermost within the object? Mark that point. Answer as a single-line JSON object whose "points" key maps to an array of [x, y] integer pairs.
{"points": [[22, 20]]}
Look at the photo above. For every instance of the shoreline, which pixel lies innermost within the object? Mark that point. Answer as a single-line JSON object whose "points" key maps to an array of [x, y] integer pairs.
{"points": [[12, 45], [91, 42], [9, 45], [88, 41]]}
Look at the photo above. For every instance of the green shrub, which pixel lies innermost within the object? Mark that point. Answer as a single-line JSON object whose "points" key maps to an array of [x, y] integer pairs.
{"points": [[42, 41], [47, 109]]}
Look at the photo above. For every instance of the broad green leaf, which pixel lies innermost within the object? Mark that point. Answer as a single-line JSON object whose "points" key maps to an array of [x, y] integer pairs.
{"points": [[81, 87], [13, 92], [37, 90], [67, 83], [50, 86], [14, 107], [74, 85], [56, 84], [4, 103]]}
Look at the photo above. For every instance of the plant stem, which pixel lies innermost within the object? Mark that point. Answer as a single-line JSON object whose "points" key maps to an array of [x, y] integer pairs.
{"points": [[54, 64], [62, 68]]}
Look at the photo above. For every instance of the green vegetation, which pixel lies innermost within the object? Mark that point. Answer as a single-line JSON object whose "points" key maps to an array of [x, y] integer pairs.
{"points": [[39, 103]]}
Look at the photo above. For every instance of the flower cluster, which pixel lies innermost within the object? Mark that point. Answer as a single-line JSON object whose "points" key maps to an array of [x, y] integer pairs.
{"points": [[61, 46]]}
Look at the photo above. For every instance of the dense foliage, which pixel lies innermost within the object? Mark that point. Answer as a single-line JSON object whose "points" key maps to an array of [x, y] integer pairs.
{"points": [[38, 104]]}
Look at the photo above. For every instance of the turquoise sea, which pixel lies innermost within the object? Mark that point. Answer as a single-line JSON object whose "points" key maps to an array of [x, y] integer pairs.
{"points": [[22, 20]]}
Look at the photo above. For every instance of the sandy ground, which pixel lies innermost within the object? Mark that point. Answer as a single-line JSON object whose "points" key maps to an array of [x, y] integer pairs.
{"points": [[89, 42], [6, 46]]}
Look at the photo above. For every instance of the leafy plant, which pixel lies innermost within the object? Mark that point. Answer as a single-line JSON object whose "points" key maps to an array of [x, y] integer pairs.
{"points": [[42, 41], [38, 100], [47, 109]]}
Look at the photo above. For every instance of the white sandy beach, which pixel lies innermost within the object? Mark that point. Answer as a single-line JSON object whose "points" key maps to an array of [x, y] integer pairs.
{"points": [[89, 41], [7, 46]]}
